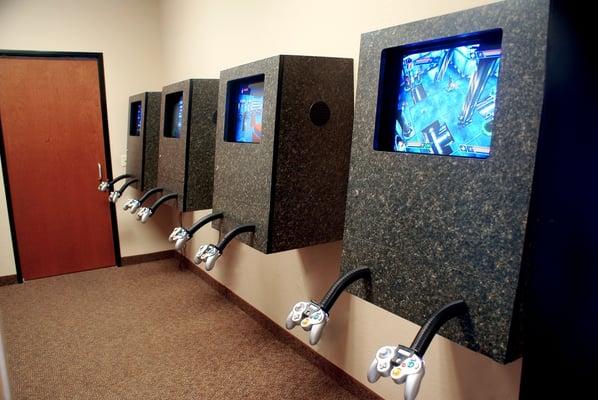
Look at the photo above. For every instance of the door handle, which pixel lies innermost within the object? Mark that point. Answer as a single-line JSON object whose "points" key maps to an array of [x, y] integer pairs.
{"points": [[99, 172]]}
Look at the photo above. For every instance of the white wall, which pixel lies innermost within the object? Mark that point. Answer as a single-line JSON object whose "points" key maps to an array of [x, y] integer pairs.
{"points": [[200, 38], [128, 33]]}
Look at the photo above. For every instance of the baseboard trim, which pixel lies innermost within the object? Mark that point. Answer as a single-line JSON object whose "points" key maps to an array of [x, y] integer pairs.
{"points": [[345, 380], [143, 258], [8, 280]]}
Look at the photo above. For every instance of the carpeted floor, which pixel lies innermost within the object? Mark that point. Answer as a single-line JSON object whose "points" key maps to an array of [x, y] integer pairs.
{"points": [[149, 331]]}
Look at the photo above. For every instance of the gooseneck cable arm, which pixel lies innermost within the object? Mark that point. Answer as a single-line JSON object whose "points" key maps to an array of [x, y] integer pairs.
{"points": [[313, 316], [127, 184], [154, 207], [341, 284], [434, 323], [203, 221], [118, 178], [232, 233], [147, 194]]}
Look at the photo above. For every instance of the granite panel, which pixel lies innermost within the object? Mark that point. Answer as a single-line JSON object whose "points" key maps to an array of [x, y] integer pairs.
{"points": [[186, 164], [292, 185], [172, 151], [312, 162], [151, 132], [200, 155], [243, 172], [435, 229]]}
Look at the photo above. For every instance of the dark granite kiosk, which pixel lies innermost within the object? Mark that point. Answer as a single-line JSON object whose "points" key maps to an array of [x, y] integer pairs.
{"points": [[445, 142], [282, 150], [187, 126], [142, 139]]}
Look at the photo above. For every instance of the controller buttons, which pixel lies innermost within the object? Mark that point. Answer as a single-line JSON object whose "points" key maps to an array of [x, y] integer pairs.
{"points": [[411, 364], [383, 365], [403, 365]]}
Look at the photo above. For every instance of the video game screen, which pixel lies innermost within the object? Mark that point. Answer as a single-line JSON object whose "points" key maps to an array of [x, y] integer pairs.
{"points": [[173, 123], [136, 119], [444, 98], [244, 111]]}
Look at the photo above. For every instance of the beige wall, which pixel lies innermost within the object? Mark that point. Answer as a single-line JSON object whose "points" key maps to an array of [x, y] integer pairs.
{"points": [[200, 38], [127, 32]]}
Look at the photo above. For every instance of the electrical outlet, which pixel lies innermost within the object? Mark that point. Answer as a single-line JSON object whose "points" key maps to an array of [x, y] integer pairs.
{"points": [[123, 160]]}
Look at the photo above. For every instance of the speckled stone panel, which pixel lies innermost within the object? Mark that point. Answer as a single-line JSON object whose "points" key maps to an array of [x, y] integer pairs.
{"points": [[435, 229], [312, 162], [243, 171], [292, 185], [172, 151], [200, 155], [135, 143], [151, 132], [186, 164]]}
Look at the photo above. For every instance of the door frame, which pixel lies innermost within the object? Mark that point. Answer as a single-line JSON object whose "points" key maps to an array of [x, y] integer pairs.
{"points": [[99, 58]]}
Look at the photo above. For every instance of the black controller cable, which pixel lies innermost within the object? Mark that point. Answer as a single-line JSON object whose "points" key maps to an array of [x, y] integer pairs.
{"points": [[203, 221], [111, 183], [163, 199], [126, 185], [147, 194], [232, 233], [341, 284], [434, 323]]}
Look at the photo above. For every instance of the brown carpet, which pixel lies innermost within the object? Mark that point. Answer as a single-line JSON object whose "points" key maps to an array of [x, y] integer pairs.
{"points": [[148, 331]]}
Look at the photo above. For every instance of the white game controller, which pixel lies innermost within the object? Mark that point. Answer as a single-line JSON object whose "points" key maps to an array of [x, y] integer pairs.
{"points": [[114, 196], [104, 186], [179, 236], [402, 365], [207, 253], [311, 317], [131, 205], [144, 214]]}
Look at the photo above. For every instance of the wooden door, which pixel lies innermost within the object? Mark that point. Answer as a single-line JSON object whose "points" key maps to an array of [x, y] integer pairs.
{"points": [[51, 114]]}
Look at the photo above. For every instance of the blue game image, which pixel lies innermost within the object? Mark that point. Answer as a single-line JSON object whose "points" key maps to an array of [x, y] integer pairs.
{"points": [[446, 101], [248, 113], [138, 119], [135, 119], [174, 122]]}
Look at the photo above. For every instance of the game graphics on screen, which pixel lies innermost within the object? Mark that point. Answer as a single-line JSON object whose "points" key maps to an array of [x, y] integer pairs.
{"points": [[250, 104], [138, 119], [446, 101]]}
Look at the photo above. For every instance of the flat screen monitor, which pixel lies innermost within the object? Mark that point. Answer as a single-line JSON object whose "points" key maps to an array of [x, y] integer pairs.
{"points": [[136, 119], [439, 97], [245, 105], [173, 122]]}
